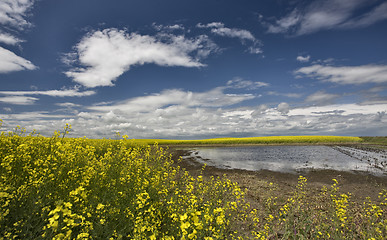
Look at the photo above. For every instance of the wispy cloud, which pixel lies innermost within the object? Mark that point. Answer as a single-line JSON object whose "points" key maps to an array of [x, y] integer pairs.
{"points": [[303, 58], [220, 29], [241, 83], [68, 105], [13, 12], [9, 39], [24, 97], [18, 100], [345, 74], [289, 95], [13, 18], [105, 55], [168, 28], [379, 13], [341, 109], [10, 62], [243, 35], [331, 14], [53, 93], [213, 98], [321, 98]]}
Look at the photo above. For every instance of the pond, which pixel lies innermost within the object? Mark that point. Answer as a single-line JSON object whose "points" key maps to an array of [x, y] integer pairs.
{"points": [[292, 159]]}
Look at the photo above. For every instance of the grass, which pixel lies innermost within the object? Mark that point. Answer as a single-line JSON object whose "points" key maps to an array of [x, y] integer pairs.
{"points": [[375, 140], [76, 188], [256, 140]]}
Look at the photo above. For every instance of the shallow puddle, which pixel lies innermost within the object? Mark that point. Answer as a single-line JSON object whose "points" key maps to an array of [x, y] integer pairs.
{"points": [[292, 158]]}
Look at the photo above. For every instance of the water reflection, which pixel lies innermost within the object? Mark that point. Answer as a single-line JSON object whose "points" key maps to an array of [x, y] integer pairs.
{"points": [[283, 158]]}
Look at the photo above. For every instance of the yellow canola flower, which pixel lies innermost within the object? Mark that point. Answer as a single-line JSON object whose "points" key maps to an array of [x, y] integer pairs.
{"points": [[100, 206]]}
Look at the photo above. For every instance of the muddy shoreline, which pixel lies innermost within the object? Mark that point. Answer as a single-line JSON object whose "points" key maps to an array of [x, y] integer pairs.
{"points": [[360, 185]]}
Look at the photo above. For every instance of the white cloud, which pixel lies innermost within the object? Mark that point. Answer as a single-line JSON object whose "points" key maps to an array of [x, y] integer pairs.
{"points": [[9, 39], [375, 15], [182, 120], [321, 97], [243, 35], [105, 55], [283, 108], [239, 114], [210, 25], [23, 97], [10, 62], [331, 14], [341, 109], [345, 74], [241, 83], [52, 93], [68, 105], [290, 95], [18, 100], [13, 12], [7, 109], [234, 33], [255, 50], [219, 29], [285, 24], [12, 16], [213, 98], [303, 59], [174, 27]]}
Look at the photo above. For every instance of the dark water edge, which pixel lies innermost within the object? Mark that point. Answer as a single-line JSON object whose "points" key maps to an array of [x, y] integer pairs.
{"points": [[294, 159]]}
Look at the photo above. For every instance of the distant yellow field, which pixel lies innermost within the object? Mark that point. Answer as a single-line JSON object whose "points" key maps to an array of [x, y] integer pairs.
{"points": [[255, 140]]}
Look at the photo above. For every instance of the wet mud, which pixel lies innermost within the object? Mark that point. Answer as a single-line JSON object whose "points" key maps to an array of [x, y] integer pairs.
{"points": [[360, 185]]}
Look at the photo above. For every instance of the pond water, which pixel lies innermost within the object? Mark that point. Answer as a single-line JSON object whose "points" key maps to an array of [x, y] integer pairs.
{"points": [[292, 158]]}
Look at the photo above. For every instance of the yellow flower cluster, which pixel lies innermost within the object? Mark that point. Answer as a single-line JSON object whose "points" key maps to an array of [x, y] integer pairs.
{"points": [[256, 140], [67, 188], [78, 188], [328, 215]]}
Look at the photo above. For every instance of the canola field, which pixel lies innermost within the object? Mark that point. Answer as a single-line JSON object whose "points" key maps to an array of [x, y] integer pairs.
{"points": [[256, 140], [76, 188]]}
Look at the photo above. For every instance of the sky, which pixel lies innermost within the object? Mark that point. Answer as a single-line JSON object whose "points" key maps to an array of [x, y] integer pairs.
{"points": [[194, 69]]}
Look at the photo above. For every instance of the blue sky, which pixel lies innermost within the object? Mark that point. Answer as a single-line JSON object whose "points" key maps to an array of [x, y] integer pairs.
{"points": [[194, 69]]}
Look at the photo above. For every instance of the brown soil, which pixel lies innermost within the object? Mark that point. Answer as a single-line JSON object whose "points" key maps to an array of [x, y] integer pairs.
{"points": [[256, 182]]}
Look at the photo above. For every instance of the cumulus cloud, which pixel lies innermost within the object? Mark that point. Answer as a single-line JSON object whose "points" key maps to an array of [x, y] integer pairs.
{"points": [[10, 62], [105, 55], [303, 59], [345, 74], [170, 120], [283, 108], [331, 14]]}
